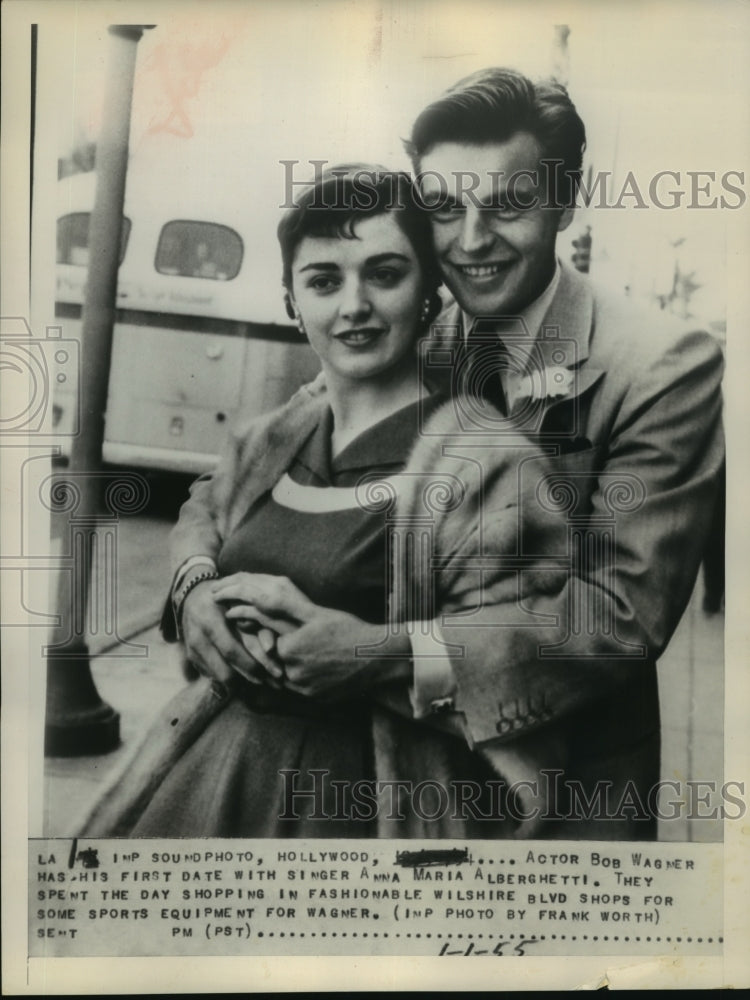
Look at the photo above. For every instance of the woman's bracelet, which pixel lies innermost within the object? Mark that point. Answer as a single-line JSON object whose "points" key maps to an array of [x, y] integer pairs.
{"points": [[187, 585]]}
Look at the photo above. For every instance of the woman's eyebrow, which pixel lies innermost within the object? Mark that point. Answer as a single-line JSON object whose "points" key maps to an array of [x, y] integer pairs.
{"points": [[381, 258], [378, 258], [321, 266]]}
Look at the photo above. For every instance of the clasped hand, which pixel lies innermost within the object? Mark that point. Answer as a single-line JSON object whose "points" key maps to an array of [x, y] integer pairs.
{"points": [[282, 639]]}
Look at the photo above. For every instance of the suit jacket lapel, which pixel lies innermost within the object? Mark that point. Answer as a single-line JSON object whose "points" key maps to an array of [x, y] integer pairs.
{"points": [[565, 336], [442, 348], [569, 320]]}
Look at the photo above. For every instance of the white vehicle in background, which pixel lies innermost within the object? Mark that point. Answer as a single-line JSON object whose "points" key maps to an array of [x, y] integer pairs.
{"points": [[200, 329]]}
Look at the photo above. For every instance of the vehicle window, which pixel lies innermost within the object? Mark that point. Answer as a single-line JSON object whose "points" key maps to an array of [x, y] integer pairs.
{"points": [[73, 238], [199, 250]]}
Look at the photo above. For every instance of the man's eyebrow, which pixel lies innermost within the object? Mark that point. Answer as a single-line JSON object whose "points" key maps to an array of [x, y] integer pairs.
{"points": [[498, 195], [448, 201], [378, 258]]}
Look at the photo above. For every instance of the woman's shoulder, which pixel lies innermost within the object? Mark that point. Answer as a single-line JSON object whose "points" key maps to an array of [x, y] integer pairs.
{"points": [[307, 404]]}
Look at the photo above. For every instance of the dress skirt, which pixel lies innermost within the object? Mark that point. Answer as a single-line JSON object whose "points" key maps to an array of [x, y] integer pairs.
{"points": [[249, 775]]}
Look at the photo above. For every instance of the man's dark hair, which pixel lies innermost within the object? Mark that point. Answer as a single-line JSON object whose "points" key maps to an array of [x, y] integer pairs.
{"points": [[491, 106]]}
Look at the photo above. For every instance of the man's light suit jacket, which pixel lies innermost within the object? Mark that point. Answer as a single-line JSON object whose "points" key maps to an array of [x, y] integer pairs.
{"points": [[635, 445]]}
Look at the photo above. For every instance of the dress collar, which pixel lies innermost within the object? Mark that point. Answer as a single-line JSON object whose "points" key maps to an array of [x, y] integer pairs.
{"points": [[387, 443]]}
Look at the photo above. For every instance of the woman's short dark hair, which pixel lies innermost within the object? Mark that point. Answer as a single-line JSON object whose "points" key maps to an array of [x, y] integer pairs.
{"points": [[491, 106], [341, 196]]}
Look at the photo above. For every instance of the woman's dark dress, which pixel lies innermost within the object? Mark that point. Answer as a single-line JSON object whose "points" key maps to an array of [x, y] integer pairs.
{"points": [[228, 783]]}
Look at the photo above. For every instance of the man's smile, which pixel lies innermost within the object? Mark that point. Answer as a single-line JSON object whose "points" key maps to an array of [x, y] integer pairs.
{"points": [[479, 271]]}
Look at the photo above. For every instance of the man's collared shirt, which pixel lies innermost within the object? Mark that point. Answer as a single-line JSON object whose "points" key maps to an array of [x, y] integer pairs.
{"points": [[532, 317]]}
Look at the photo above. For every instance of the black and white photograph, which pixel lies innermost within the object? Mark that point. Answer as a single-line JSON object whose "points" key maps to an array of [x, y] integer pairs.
{"points": [[373, 561]]}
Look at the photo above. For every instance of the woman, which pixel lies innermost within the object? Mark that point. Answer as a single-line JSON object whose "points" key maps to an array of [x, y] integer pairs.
{"points": [[328, 515]]}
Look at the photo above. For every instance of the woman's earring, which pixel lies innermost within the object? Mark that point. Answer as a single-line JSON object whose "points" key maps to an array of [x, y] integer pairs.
{"points": [[426, 309], [300, 324]]}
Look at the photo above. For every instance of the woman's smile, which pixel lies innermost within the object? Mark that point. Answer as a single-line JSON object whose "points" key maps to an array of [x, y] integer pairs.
{"points": [[362, 337]]}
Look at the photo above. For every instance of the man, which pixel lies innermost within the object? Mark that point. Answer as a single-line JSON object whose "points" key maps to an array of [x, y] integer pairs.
{"points": [[629, 409]]}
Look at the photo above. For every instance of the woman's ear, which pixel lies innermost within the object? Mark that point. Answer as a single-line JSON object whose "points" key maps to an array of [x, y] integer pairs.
{"points": [[293, 313]]}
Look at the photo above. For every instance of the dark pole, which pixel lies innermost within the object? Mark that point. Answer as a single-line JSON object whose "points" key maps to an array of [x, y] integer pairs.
{"points": [[77, 720]]}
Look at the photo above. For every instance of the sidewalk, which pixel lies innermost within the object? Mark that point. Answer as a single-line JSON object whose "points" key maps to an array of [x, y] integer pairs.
{"points": [[691, 688], [136, 687]]}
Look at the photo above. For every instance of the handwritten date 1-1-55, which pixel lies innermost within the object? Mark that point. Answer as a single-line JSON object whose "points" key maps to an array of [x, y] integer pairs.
{"points": [[471, 949]]}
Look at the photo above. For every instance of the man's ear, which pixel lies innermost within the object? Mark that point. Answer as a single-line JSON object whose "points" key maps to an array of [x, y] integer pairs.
{"points": [[566, 217]]}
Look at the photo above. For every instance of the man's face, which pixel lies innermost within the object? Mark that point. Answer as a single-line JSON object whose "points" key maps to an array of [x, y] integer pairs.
{"points": [[496, 256]]}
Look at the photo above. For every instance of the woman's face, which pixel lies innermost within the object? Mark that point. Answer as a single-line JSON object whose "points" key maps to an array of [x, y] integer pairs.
{"points": [[359, 299]]}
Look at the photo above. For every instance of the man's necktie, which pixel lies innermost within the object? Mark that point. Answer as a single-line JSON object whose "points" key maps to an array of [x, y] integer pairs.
{"points": [[487, 359]]}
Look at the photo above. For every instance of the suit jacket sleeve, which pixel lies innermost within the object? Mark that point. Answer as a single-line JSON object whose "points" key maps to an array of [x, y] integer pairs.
{"points": [[493, 545], [527, 663]]}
